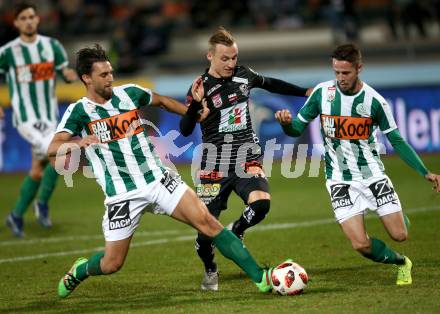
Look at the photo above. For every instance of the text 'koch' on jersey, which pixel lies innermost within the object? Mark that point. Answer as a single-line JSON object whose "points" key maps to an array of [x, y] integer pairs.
{"points": [[33, 72], [116, 127], [347, 128]]}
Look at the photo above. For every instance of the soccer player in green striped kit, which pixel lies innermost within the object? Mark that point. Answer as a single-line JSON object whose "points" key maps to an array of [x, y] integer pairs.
{"points": [[350, 112], [31, 63], [130, 173]]}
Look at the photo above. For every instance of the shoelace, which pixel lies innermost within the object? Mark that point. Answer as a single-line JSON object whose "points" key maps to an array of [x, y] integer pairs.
{"points": [[70, 281]]}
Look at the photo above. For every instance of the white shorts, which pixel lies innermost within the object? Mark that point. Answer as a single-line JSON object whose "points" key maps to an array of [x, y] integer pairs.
{"points": [[351, 198], [39, 134], [121, 218]]}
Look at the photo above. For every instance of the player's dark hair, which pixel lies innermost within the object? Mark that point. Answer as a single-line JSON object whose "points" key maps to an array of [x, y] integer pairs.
{"points": [[86, 57], [348, 52], [221, 36], [21, 6]]}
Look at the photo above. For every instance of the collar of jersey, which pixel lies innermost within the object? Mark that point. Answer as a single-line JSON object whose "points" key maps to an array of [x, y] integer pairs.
{"points": [[37, 39], [354, 95]]}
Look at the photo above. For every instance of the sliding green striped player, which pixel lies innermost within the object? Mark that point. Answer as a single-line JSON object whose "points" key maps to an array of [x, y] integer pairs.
{"points": [[133, 178]]}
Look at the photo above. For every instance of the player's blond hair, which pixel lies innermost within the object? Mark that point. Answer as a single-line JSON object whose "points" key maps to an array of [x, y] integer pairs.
{"points": [[222, 37]]}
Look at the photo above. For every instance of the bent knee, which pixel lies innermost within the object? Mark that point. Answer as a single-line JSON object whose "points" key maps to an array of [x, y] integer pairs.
{"points": [[112, 266], [400, 236], [363, 247], [36, 175]]}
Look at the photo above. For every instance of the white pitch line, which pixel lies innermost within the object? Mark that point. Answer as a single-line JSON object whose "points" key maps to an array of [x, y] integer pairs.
{"points": [[83, 238], [191, 237]]}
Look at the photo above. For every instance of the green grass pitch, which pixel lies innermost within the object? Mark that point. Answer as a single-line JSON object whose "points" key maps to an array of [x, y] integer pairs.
{"points": [[162, 273]]}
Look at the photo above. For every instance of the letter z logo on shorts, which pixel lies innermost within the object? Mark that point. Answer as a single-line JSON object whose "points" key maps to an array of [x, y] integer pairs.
{"points": [[119, 215], [340, 195], [383, 192]]}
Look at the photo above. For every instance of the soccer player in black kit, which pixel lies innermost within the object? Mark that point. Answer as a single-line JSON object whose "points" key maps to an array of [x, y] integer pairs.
{"points": [[230, 158]]}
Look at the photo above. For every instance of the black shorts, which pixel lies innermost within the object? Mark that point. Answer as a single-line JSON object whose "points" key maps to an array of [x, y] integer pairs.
{"points": [[214, 189]]}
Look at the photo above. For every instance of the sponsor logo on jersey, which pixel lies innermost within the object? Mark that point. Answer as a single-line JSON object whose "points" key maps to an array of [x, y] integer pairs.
{"points": [[331, 93], [233, 118], [208, 189], [210, 175], [217, 100], [170, 181], [213, 89], [40, 126], [232, 98], [239, 79], [119, 215], [340, 195], [116, 127], [244, 89], [42, 71], [383, 192], [347, 128]]}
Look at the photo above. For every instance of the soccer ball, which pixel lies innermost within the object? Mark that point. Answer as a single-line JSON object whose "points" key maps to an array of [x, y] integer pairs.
{"points": [[289, 278]]}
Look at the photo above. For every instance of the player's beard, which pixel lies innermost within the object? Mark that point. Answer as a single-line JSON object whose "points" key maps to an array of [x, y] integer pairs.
{"points": [[350, 90], [105, 92], [30, 33]]}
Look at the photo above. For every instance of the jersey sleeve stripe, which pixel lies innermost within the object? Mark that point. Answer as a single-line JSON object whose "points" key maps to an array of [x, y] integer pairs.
{"points": [[302, 118]]}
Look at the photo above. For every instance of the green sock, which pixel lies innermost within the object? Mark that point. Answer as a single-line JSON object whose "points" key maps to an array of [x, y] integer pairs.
{"points": [[231, 247], [91, 268], [48, 182], [28, 189], [380, 253]]}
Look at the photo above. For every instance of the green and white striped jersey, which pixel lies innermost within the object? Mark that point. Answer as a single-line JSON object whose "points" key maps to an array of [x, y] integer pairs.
{"points": [[348, 127], [30, 70], [125, 159]]}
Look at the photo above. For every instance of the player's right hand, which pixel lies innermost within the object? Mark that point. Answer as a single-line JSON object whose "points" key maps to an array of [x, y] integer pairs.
{"points": [[88, 140], [2, 113], [204, 112], [197, 90], [283, 116]]}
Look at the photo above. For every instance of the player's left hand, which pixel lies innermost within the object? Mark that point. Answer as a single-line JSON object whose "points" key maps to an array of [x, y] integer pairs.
{"points": [[204, 112], [69, 75], [435, 179], [197, 90]]}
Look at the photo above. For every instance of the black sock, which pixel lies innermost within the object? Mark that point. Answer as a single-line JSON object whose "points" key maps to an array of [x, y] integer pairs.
{"points": [[205, 249]]}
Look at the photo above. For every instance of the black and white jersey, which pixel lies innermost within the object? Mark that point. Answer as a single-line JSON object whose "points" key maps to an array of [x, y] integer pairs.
{"points": [[227, 133]]}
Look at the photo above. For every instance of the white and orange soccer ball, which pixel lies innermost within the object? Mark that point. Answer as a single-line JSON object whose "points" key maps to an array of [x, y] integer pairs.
{"points": [[289, 278]]}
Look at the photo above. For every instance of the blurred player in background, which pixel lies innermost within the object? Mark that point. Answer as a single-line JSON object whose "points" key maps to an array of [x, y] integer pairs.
{"points": [[30, 63], [350, 113], [228, 127], [133, 178]]}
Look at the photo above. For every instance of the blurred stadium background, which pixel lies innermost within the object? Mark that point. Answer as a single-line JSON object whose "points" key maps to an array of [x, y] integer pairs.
{"points": [[162, 45]]}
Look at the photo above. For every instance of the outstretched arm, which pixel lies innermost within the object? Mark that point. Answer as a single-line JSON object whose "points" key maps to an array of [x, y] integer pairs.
{"points": [[66, 138], [407, 154], [278, 86], [292, 127], [168, 104], [175, 106]]}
